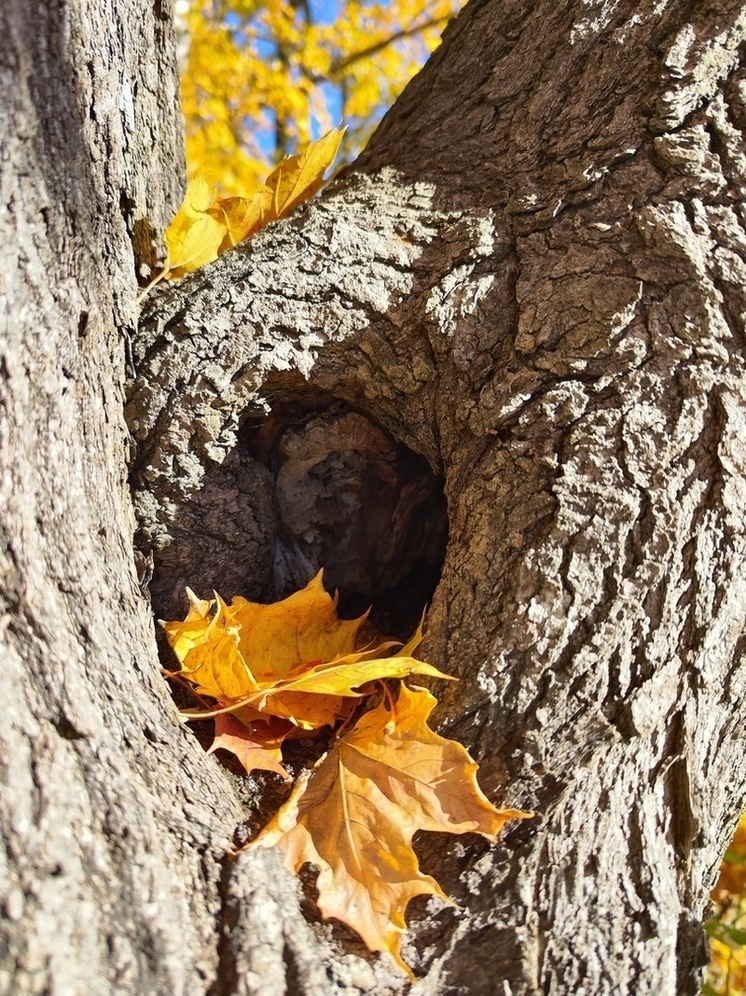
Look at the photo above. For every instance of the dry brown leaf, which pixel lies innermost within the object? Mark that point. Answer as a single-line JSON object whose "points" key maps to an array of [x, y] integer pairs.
{"points": [[354, 817]]}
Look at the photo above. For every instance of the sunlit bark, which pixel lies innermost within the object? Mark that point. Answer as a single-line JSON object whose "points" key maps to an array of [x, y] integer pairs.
{"points": [[534, 279]]}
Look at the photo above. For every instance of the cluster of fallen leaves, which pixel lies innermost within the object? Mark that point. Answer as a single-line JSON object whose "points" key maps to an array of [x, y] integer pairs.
{"points": [[726, 974], [293, 669], [206, 225]]}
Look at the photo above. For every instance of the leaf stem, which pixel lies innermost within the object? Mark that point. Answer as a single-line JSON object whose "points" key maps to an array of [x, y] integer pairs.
{"points": [[153, 283]]}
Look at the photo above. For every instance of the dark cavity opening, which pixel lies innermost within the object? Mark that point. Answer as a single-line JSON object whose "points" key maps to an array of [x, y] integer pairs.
{"points": [[355, 501]]}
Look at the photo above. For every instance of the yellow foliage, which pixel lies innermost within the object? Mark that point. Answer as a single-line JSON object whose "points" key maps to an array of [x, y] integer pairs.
{"points": [[264, 77], [726, 975]]}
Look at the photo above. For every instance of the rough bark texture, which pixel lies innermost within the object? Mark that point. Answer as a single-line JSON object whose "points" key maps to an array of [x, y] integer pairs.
{"points": [[534, 279], [112, 826]]}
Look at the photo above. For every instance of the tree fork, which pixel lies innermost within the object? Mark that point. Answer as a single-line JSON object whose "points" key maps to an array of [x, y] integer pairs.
{"points": [[534, 278]]}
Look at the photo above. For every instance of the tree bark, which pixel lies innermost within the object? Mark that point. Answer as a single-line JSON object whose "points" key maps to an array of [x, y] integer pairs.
{"points": [[112, 824], [533, 278]]}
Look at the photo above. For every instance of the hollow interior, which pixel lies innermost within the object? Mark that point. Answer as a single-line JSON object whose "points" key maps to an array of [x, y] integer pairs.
{"points": [[355, 501]]}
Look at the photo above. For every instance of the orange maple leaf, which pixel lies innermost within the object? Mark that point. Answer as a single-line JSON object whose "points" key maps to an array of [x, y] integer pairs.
{"points": [[355, 815], [294, 659], [258, 747]]}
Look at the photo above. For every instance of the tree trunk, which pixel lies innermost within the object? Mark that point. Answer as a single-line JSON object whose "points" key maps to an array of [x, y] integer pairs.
{"points": [[533, 279]]}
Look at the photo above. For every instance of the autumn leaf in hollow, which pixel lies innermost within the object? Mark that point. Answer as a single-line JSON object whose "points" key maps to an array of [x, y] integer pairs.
{"points": [[355, 815], [207, 644], [313, 698], [298, 699], [257, 747], [294, 659], [239, 653], [228, 650], [278, 670], [299, 631]]}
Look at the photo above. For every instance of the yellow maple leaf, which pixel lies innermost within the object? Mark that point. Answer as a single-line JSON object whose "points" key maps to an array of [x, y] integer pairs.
{"points": [[195, 234], [302, 629], [206, 225], [297, 699], [291, 659], [268, 640], [297, 178], [355, 815], [207, 644]]}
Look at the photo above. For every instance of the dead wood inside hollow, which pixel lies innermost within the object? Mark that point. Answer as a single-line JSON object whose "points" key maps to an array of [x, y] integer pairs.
{"points": [[314, 484], [353, 500]]}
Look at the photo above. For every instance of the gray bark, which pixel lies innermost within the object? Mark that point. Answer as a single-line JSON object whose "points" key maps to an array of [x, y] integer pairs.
{"points": [[111, 823], [534, 279]]}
